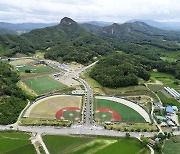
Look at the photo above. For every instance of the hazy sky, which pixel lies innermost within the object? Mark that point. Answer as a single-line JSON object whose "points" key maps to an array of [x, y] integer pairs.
{"points": [[88, 10]]}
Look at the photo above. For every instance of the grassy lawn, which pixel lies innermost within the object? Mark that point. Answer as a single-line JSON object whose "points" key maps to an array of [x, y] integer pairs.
{"points": [[43, 85], [166, 79], [39, 55], [126, 113], [172, 146], [95, 145], [15, 143]]}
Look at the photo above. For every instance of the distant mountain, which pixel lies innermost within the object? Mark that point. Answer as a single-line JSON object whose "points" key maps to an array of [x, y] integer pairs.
{"points": [[99, 23], [90, 28], [24, 27], [7, 31], [162, 25], [135, 31]]}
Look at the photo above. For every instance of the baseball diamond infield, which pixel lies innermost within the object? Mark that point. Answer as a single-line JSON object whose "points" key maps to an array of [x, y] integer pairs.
{"points": [[65, 107], [119, 109]]}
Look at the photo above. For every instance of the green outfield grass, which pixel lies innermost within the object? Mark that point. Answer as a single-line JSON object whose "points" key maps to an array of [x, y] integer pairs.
{"points": [[43, 85], [126, 113], [15, 143], [95, 145], [35, 68]]}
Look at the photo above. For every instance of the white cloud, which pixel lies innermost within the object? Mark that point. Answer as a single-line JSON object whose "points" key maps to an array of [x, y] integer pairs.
{"points": [[85, 10]]}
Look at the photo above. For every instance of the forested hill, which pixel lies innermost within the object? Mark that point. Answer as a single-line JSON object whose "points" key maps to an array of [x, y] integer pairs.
{"points": [[68, 41], [12, 98], [120, 70]]}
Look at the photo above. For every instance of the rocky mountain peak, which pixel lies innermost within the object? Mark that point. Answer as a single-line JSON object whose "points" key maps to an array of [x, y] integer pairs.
{"points": [[67, 21]]}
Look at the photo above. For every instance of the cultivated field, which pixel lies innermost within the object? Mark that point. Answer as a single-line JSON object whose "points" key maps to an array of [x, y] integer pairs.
{"points": [[22, 62], [35, 68], [64, 107], [116, 109], [92, 145], [172, 146], [15, 143], [166, 79], [42, 85]]}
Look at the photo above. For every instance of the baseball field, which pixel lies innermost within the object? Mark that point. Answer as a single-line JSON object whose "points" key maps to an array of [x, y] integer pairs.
{"points": [[93, 145], [110, 110], [64, 107], [42, 85], [35, 68]]}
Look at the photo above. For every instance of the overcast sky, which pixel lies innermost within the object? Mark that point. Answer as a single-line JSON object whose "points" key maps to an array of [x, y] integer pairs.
{"points": [[88, 10]]}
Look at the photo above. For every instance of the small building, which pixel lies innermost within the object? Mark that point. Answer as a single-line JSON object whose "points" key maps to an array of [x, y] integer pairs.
{"points": [[170, 123], [157, 139], [169, 110], [162, 118], [175, 108]]}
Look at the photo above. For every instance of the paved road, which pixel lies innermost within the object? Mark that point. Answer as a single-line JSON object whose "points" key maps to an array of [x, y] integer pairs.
{"points": [[84, 68], [88, 101], [82, 130]]}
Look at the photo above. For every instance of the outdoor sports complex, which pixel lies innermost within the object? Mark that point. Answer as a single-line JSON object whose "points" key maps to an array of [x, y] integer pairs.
{"points": [[62, 107], [44, 84], [114, 109]]}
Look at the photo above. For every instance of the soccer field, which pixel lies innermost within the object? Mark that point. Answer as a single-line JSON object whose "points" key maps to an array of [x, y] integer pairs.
{"points": [[107, 110], [42, 85], [35, 68]]}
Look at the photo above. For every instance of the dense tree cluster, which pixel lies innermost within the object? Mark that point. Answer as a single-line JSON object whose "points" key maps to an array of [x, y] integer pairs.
{"points": [[15, 44], [119, 70], [12, 98], [69, 43]]}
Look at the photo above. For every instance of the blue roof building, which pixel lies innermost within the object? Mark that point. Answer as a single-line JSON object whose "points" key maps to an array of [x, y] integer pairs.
{"points": [[170, 123], [170, 110]]}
